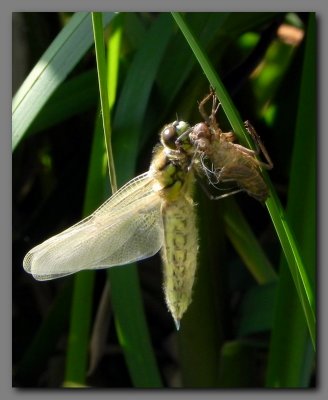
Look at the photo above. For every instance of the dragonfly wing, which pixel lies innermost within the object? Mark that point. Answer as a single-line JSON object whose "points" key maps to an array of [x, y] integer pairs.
{"points": [[126, 228]]}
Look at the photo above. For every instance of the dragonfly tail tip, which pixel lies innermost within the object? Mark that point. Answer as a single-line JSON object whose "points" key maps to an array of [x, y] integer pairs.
{"points": [[177, 323]]}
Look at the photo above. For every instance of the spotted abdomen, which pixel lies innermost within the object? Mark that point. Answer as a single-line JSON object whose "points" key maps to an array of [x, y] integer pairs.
{"points": [[179, 254]]}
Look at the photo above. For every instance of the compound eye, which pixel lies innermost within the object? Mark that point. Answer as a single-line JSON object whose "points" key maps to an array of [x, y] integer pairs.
{"points": [[169, 136], [181, 127]]}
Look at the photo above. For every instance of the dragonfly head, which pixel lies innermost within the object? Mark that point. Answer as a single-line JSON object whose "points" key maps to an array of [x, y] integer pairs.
{"points": [[175, 132]]}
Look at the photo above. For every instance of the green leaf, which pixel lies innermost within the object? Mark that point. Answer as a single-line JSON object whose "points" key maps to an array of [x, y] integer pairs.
{"points": [[73, 97], [284, 232], [81, 310], [50, 71], [291, 355], [128, 128], [246, 244]]}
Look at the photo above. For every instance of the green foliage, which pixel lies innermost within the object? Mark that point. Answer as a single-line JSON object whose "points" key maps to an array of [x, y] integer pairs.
{"points": [[151, 73]]}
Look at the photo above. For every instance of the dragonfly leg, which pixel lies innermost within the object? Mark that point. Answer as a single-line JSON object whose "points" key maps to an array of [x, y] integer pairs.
{"points": [[220, 177], [221, 196], [259, 145], [215, 106], [201, 108]]}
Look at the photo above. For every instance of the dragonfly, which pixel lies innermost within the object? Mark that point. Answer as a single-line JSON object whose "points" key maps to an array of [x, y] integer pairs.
{"points": [[222, 159], [153, 212]]}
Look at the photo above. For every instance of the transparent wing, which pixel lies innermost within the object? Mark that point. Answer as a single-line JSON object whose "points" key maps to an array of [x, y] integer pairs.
{"points": [[126, 228]]}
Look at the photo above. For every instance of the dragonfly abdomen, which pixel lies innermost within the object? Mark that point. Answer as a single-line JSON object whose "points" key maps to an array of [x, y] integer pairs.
{"points": [[179, 255]]}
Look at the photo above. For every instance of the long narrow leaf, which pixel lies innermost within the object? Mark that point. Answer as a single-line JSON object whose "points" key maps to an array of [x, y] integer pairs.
{"points": [[291, 355], [51, 70], [244, 241], [103, 90], [126, 295], [79, 333], [285, 235]]}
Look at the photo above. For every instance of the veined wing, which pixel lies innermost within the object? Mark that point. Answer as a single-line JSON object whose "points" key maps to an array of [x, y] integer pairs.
{"points": [[126, 228]]}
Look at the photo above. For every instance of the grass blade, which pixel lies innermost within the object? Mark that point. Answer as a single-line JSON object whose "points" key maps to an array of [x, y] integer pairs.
{"points": [[78, 349], [246, 244], [103, 90], [291, 355], [73, 97], [126, 296], [81, 310], [51, 70], [147, 375], [285, 235]]}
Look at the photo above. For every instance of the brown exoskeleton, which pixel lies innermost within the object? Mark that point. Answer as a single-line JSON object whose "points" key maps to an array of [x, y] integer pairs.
{"points": [[223, 160]]}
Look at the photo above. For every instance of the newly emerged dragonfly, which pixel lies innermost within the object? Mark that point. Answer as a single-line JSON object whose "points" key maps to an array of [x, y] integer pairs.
{"points": [[152, 212], [222, 159], [155, 211]]}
